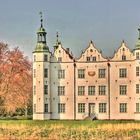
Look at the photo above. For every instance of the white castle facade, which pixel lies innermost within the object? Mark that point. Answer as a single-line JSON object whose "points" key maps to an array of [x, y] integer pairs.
{"points": [[92, 86]]}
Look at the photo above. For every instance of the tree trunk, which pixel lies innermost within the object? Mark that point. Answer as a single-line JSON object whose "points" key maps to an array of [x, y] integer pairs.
{"points": [[26, 111]]}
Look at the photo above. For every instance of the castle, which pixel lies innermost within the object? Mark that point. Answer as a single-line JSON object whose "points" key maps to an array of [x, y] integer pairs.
{"points": [[91, 86]]}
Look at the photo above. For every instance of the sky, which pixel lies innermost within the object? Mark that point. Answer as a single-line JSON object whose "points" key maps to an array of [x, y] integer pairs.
{"points": [[105, 22]]}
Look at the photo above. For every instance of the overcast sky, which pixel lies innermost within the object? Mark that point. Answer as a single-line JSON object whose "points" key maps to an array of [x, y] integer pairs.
{"points": [[106, 22]]}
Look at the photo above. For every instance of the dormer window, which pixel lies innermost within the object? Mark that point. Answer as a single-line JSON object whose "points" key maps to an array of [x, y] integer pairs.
{"points": [[59, 59], [123, 57], [91, 58], [88, 58], [94, 58]]}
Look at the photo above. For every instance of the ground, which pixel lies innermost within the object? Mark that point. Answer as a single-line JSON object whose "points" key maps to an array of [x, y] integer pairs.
{"points": [[69, 130]]}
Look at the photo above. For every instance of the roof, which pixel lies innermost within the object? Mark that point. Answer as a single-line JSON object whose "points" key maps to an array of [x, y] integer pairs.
{"points": [[41, 30]]}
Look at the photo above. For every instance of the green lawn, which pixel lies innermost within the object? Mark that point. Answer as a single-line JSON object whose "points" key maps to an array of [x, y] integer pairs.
{"points": [[75, 130]]}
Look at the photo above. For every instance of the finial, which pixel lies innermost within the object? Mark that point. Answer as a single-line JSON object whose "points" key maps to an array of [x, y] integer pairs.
{"points": [[123, 41], [41, 20], [57, 39], [57, 36], [139, 32]]}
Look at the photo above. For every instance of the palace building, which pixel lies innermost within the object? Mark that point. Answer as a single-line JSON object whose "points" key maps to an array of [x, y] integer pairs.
{"points": [[88, 87]]}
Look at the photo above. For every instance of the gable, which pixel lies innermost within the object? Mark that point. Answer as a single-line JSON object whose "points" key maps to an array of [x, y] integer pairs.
{"points": [[62, 55], [123, 53], [91, 54]]}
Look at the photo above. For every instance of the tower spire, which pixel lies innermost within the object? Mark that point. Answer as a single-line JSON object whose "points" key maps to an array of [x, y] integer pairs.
{"points": [[41, 37], [138, 42], [41, 19], [139, 33], [57, 41], [57, 37]]}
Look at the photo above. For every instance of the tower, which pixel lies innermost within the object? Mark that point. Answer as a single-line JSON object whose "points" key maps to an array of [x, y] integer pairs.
{"points": [[136, 103], [137, 48], [41, 76]]}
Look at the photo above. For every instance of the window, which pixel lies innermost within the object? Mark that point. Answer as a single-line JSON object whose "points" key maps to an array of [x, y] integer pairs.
{"points": [[46, 108], [123, 73], [91, 90], [81, 107], [88, 58], [137, 71], [91, 58], [34, 90], [81, 90], [123, 107], [61, 108], [137, 107], [34, 108], [123, 89], [123, 57], [45, 57], [46, 89], [46, 73], [59, 59], [94, 58], [137, 88], [137, 55], [61, 74], [34, 73], [34, 58], [81, 73], [61, 90], [101, 73], [102, 90], [102, 107]]}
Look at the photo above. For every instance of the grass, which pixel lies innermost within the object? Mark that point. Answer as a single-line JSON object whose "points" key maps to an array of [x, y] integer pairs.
{"points": [[69, 130]]}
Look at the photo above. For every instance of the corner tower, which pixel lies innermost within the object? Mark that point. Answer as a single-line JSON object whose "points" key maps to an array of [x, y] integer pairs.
{"points": [[41, 76], [137, 48], [136, 77]]}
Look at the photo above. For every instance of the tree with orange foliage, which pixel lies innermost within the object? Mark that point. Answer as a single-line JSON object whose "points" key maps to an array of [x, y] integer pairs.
{"points": [[15, 79]]}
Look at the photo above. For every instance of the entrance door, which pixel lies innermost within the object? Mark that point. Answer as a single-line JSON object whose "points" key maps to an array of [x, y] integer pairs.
{"points": [[91, 108]]}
